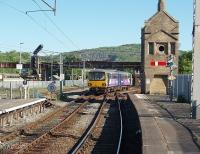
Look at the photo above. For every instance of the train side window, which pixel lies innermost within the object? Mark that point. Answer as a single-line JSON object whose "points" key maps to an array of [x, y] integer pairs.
{"points": [[115, 76]]}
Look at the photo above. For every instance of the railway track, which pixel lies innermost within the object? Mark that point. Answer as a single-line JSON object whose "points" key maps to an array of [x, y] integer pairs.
{"points": [[93, 126], [117, 129], [105, 135], [64, 135], [14, 132], [22, 137], [41, 144]]}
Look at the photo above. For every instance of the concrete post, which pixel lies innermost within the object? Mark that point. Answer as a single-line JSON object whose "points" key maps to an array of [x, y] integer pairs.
{"points": [[72, 77], [196, 62], [28, 90], [25, 92], [21, 92], [10, 90]]}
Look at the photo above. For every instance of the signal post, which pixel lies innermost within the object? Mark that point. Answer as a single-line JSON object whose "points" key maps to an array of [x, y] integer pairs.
{"points": [[172, 66]]}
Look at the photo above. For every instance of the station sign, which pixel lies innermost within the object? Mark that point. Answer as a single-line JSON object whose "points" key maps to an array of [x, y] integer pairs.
{"points": [[51, 87], [19, 66], [171, 77], [62, 77]]}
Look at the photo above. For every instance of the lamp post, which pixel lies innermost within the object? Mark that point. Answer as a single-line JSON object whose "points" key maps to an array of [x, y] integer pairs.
{"points": [[20, 55], [83, 74], [20, 60]]}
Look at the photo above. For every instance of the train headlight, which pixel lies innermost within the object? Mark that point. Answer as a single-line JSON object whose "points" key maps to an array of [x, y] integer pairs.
{"points": [[104, 84], [89, 84]]}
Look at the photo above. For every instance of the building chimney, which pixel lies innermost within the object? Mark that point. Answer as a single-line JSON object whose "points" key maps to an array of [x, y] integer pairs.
{"points": [[161, 5]]}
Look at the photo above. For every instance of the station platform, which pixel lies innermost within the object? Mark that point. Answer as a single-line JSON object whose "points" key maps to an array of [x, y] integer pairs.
{"points": [[15, 104], [13, 110], [161, 132]]}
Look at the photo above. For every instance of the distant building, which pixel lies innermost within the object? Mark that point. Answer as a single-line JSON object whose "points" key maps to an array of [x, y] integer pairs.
{"points": [[160, 38]]}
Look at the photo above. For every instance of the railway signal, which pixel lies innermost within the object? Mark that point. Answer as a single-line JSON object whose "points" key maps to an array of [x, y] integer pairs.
{"points": [[170, 62], [39, 48], [172, 66], [171, 77], [34, 61]]}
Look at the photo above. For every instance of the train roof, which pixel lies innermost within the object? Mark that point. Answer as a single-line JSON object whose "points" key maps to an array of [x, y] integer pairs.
{"points": [[109, 71], [103, 70]]}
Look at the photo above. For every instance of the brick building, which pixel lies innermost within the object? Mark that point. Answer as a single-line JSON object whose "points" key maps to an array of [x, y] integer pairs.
{"points": [[159, 39]]}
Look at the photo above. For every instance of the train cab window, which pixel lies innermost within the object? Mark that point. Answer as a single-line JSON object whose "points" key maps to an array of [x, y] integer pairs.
{"points": [[96, 76]]}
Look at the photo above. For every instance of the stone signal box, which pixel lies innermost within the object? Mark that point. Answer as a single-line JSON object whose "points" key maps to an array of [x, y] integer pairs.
{"points": [[160, 38]]}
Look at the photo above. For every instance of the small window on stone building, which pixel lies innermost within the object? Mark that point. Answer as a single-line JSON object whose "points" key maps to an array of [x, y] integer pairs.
{"points": [[162, 48], [151, 48], [173, 48]]}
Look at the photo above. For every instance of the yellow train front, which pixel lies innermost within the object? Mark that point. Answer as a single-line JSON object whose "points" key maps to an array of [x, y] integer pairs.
{"points": [[101, 80]]}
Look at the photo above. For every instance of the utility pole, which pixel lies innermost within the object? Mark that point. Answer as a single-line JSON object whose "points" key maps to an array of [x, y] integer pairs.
{"points": [[52, 67], [196, 63], [61, 74], [20, 56]]}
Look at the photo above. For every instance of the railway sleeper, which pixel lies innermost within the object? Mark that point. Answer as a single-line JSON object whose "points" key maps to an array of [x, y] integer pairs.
{"points": [[55, 134]]}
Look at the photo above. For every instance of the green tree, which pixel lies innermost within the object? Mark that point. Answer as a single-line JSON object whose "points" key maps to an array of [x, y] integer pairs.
{"points": [[71, 58], [185, 62]]}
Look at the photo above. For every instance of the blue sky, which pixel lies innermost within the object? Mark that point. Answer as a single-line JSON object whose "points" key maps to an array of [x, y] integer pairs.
{"points": [[86, 23]]}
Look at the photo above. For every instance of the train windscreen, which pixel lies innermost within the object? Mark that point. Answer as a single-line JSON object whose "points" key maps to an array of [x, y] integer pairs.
{"points": [[96, 76]]}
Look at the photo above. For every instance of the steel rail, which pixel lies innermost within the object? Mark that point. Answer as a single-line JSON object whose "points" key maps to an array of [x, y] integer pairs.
{"points": [[76, 148], [45, 135], [121, 128]]}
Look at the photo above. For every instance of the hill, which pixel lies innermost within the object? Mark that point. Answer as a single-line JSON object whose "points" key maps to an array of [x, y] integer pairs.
{"points": [[122, 53]]}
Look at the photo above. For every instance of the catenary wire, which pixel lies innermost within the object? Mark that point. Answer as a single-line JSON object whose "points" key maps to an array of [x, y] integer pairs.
{"points": [[33, 20], [57, 27]]}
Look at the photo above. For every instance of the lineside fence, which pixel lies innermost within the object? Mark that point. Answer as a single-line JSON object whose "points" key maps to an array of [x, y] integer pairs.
{"points": [[35, 89], [182, 87]]}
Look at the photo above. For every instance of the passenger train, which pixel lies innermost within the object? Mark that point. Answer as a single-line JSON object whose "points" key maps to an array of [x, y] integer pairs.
{"points": [[101, 80]]}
